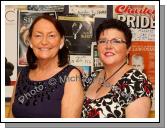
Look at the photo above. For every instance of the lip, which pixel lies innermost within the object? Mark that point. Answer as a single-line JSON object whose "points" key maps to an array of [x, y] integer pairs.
{"points": [[109, 53], [44, 49]]}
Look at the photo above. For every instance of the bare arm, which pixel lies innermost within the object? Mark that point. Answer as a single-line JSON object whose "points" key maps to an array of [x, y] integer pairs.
{"points": [[139, 108], [72, 101]]}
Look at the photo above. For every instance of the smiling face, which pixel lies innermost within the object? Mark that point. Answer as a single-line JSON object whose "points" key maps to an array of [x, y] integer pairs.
{"points": [[45, 40], [112, 53]]}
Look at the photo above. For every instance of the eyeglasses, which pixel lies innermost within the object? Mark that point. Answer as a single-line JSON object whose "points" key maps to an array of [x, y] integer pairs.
{"points": [[114, 41]]}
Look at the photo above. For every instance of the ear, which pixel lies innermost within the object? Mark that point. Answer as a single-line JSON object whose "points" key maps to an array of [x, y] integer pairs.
{"points": [[29, 42], [62, 43]]}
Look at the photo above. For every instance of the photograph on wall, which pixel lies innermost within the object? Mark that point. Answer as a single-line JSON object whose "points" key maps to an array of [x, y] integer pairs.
{"points": [[25, 20], [57, 8], [99, 11], [78, 34], [97, 64], [81, 60]]}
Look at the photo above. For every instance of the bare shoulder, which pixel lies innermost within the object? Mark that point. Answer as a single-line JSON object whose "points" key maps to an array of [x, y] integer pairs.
{"points": [[74, 79], [74, 72]]}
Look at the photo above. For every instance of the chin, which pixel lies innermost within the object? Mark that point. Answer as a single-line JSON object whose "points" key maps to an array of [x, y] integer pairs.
{"points": [[43, 57], [108, 62]]}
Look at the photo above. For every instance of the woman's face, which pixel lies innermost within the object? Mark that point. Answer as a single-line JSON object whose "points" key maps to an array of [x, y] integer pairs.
{"points": [[112, 47], [45, 40]]}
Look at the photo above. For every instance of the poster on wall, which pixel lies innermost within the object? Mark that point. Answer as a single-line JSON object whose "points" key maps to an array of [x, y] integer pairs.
{"points": [[78, 34], [83, 62], [25, 20], [142, 57], [85, 70], [140, 18], [98, 11], [57, 8], [97, 64]]}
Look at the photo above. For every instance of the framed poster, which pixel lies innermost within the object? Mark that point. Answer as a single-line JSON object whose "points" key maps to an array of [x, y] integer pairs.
{"points": [[78, 33]]}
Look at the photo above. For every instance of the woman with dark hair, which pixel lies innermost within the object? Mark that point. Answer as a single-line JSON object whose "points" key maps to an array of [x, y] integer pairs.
{"points": [[118, 91], [45, 88]]}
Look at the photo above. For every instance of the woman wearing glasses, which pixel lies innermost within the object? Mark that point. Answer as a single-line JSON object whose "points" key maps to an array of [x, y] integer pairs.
{"points": [[48, 87], [118, 91]]}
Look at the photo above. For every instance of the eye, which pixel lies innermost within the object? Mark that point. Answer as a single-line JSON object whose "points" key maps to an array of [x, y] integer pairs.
{"points": [[102, 41], [116, 41], [38, 35], [52, 36]]}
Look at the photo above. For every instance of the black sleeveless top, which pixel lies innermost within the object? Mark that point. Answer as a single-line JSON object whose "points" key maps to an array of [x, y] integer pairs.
{"points": [[40, 99]]}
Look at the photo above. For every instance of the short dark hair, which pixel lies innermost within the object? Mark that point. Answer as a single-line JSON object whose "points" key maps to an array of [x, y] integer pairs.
{"points": [[116, 24], [63, 54]]}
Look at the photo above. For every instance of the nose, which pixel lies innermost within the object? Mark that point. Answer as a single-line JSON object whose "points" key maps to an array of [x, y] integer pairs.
{"points": [[108, 45], [44, 40]]}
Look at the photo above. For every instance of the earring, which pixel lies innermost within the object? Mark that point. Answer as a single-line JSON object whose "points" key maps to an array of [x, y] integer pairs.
{"points": [[127, 59], [31, 45], [61, 46]]}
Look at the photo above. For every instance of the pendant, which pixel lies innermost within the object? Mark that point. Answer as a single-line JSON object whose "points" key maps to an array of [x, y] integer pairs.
{"points": [[99, 87]]}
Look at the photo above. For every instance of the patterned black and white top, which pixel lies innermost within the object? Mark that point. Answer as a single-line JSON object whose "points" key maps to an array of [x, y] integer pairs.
{"points": [[133, 84]]}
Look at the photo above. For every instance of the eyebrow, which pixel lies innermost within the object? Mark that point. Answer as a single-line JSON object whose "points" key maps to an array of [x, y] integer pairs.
{"points": [[47, 32], [112, 38]]}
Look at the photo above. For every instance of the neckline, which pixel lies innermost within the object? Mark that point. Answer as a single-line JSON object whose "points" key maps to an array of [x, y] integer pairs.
{"points": [[106, 79], [58, 73], [109, 92]]}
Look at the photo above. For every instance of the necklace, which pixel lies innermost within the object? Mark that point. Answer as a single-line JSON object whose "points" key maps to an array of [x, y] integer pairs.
{"points": [[105, 80]]}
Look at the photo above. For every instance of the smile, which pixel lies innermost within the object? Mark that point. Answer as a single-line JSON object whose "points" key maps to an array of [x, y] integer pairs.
{"points": [[44, 49], [109, 54]]}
